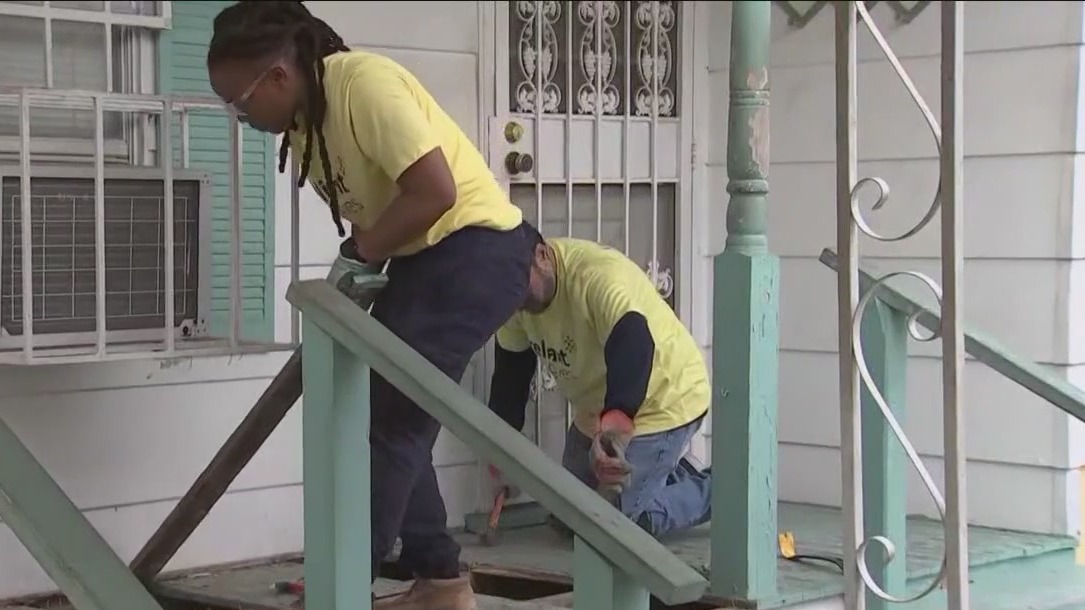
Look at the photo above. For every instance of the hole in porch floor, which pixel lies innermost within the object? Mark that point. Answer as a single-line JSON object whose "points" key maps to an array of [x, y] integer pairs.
{"points": [[487, 580], [516, 588], [559, 594]]}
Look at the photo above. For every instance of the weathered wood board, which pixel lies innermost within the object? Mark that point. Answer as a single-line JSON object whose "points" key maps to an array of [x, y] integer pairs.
{"points": [[251, 589], [541, 553]]}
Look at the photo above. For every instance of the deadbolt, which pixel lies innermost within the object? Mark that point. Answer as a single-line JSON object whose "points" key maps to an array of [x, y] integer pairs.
{"points": [[513, 132], [519, 163]]}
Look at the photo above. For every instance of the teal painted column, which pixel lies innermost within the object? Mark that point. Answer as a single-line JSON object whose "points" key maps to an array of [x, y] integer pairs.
{"points": [[745, 336], [336, 467], [885, 348]]}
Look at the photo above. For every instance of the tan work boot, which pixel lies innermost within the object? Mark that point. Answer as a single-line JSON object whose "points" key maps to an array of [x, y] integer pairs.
{"points": [[452, 594]]}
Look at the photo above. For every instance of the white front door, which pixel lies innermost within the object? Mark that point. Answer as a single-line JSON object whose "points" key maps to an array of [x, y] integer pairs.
{"points": [[589, 143]]}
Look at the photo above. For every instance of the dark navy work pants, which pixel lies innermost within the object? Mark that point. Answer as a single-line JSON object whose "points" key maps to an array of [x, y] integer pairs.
{"points": [[446, 302]]}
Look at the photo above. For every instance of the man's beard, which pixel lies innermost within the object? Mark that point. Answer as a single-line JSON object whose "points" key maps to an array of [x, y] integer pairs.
{"points": [[536, 303]]}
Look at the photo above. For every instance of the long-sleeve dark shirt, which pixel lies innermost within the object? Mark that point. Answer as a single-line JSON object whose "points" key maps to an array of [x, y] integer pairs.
{"points": [[628, 353]]}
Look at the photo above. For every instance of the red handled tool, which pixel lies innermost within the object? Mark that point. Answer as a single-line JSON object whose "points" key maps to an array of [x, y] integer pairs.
{"points": [[490, 537], [293, 587]]}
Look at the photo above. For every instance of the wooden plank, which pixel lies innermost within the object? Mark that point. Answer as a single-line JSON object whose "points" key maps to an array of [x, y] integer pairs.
{"points": [[642, 557], [539, 553], [979, 344], [60, 538], [335, 456], [744, 411], [273, 405], [885, 484], [250, 589], [561, 600], [597, 585]]}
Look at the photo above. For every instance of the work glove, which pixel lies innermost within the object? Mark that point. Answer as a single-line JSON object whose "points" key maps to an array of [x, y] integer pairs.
{"points": [[498, 482], [358, 280], [607, 453]]}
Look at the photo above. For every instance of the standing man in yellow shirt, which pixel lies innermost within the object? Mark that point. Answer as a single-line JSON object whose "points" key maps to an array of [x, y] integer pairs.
{"points": [[383, 155], [636, 379]]}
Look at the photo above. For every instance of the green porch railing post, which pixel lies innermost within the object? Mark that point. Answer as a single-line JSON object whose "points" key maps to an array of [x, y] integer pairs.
{"points": [[335, 454], [600, 585], [60, 538], [745, 354], [885, 348]]}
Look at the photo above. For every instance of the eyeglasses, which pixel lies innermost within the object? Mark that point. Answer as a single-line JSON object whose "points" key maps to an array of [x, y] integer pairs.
{"points": [[236, 105]]}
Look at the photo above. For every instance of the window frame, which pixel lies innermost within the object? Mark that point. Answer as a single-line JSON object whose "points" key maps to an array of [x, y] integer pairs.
{"points": [[136, 338], [133, 155], [137, 147]]}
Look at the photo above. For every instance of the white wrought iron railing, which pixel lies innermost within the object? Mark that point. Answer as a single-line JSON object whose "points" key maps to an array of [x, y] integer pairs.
{"points": [[198, 337], [854, 370]]}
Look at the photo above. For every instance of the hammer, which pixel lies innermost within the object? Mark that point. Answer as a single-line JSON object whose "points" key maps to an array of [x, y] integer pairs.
{"points": [[614, 450], [490, 537]]}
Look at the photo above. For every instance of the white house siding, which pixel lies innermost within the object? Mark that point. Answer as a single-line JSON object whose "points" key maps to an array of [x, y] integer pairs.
{"points": [[1022, 236], [125, 440]]}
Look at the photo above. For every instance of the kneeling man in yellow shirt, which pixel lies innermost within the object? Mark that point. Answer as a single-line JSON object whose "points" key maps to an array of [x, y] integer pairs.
{"points": [[636, 379]]}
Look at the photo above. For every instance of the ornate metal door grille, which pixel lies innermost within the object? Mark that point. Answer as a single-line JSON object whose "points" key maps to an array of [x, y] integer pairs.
{"points": [[588, 131]]}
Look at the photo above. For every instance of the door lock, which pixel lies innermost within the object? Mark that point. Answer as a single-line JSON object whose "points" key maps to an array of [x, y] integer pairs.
{"points": [[513, 132], [519, 163]]}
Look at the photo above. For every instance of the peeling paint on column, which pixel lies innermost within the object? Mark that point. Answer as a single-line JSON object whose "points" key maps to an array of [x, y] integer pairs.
{"points": [[758, 82], [759, 139]]}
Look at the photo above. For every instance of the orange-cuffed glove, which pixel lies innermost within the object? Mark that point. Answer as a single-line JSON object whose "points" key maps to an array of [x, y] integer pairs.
{"points": [[607, 457]]}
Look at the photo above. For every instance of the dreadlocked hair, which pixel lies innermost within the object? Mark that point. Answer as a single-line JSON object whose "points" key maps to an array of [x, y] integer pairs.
{"points": [[258, 29]]}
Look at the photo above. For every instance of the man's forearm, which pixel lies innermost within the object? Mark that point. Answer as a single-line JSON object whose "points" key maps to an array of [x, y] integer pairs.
{"points": [[510, 385], [629, 354]]}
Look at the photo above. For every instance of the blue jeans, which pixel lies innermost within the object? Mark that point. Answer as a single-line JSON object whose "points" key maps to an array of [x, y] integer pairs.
{"points": [[666, 493]]}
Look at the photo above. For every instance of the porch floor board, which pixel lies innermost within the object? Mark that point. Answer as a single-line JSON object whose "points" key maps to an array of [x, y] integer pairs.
{"points": [[249, 588], [1019, 570], [540, 552]]}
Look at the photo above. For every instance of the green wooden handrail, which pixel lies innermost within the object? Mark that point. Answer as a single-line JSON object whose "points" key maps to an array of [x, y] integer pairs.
{"points": [[980, 345], [593, 519]]}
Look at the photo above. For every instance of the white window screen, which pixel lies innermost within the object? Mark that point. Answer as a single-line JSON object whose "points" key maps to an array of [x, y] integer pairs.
{"points": [[62, 234], [66, 48]]}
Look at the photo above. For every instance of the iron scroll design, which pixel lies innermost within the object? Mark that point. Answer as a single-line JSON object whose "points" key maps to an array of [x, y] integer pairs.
{"points": [[881, 187]]}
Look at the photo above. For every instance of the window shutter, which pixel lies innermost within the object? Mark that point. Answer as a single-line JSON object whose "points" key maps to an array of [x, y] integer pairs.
{"points": [[183, 71]]}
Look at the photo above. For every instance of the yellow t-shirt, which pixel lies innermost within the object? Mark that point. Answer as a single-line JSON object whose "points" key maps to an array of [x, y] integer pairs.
{"points": [[379, 121], [596, 286]]}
